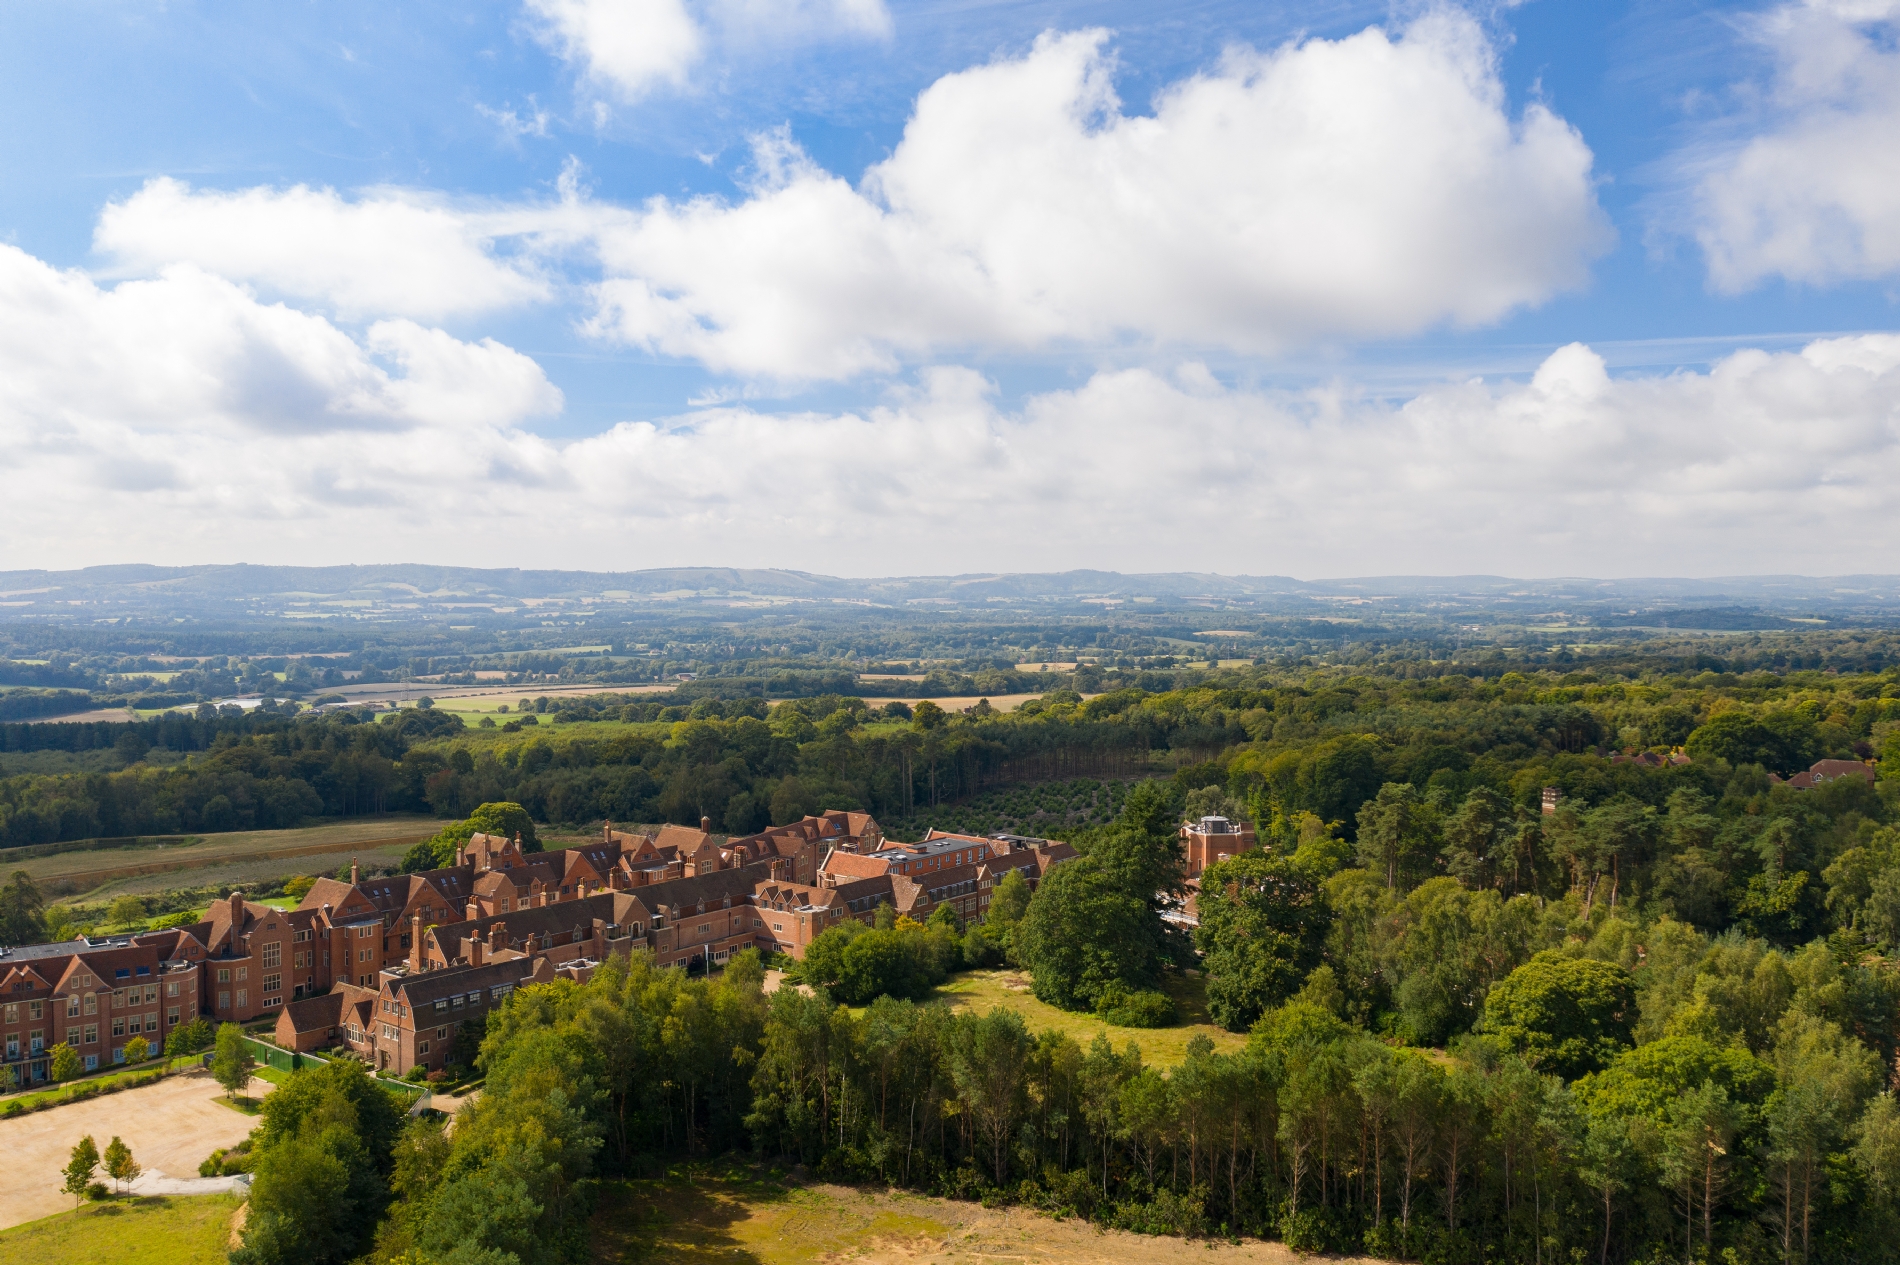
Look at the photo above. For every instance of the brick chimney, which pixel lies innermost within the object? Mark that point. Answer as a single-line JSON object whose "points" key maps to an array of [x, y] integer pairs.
{"points": [[705, 824], [474, 910], [415, 944], [237, 912], [353, 873], [606, 832], [498, 937], [475, 947]]}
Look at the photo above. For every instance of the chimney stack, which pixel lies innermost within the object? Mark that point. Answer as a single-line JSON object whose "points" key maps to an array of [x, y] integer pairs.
{"points": [[475, 947], [705, 824], [237, 910], [606, 832], [415, 944], [498, 937], [353, 877]]}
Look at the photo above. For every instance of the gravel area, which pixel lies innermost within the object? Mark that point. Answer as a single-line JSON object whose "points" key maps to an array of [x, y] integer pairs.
{"points": [[171, 1127]]}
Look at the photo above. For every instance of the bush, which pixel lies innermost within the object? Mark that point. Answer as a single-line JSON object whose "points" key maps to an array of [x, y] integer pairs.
{"points": [[1146, 1009], [98, 1191]]}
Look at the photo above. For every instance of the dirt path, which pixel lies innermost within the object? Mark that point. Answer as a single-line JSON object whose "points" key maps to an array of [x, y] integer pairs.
{"points": [[171, 1127]]}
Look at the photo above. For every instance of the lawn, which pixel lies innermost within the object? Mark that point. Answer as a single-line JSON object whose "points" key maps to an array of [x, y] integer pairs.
{"points": [[984, 991], [105, 1078], [162, 1230]]}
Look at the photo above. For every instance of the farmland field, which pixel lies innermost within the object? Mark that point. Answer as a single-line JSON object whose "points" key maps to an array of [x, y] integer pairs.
{"points": [[984, 991], [740, 1216], [244, 856]]}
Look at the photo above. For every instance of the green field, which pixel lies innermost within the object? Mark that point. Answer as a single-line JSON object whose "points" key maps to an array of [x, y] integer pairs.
{"points": [[223, 860], [984, 991], [162, 1230]]}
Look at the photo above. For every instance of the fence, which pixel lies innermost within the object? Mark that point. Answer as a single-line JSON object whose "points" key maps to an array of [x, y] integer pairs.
{"points": [[278, 1057]]}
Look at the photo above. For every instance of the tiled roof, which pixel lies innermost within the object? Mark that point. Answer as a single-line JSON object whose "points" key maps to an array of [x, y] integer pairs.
{"points": [[315, 1014], [424, 989]]}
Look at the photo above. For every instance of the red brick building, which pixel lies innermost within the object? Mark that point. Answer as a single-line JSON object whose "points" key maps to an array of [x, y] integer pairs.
{"points": [[94, 995]]}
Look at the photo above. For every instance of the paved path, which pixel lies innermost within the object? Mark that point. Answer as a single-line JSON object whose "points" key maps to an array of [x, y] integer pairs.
{"points": [[153, 1182], [171, 1127]]}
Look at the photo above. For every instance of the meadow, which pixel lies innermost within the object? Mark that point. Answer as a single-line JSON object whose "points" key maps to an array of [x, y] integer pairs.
{"points": [[245, 856]]}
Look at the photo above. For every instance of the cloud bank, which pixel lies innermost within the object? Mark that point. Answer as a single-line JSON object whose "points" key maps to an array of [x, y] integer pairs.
{"points": [[1812, 194], [180, 419]]}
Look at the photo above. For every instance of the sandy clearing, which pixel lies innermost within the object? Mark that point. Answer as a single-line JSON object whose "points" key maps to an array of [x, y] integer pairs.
{"points": [[171, 1127]]}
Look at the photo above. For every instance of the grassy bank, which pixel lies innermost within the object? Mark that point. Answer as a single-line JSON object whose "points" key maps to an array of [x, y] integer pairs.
{"points": [[162, 1230]]}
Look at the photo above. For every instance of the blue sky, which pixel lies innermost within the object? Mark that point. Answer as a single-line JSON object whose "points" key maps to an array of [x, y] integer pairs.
{"points": [[1626, 185]]}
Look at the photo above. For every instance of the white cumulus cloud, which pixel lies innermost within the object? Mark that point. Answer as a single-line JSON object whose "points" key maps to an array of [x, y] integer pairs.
{"points": [[177, 418], [186, 389], [1812, 194], [386, 252], [1364, 187], [628, 48]]}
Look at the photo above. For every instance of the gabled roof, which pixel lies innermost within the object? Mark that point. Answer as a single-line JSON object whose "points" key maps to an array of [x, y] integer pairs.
{"points": [[316, 1014], [686, 839], [849, 865]]}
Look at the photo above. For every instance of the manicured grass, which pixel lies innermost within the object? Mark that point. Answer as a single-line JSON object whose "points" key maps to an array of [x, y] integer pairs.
{"points": [[162, 1230], [699, 1215], [63, 1091], [984, 991]]}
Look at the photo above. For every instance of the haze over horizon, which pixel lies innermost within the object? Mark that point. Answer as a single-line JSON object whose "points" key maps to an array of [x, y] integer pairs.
{"points": [[884, 288]]}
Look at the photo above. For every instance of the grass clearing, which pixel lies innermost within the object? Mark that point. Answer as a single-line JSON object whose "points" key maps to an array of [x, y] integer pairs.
{"points": [[702, 1215], [737, 1215], [984, 991], [159, 1230]]}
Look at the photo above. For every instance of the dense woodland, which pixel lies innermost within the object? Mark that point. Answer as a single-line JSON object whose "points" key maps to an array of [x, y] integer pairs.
{"points": [[1657, 1024]]}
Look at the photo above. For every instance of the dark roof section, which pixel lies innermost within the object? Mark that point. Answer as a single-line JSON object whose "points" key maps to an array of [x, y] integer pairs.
{"points": [[426, 988]]}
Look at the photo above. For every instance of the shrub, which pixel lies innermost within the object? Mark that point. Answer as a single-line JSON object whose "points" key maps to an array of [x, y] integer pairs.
{"points": [[98, 1191], [1147, 1009]]}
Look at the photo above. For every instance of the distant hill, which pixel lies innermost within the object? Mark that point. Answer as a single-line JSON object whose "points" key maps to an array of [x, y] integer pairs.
{"points": [[391, 590]]}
